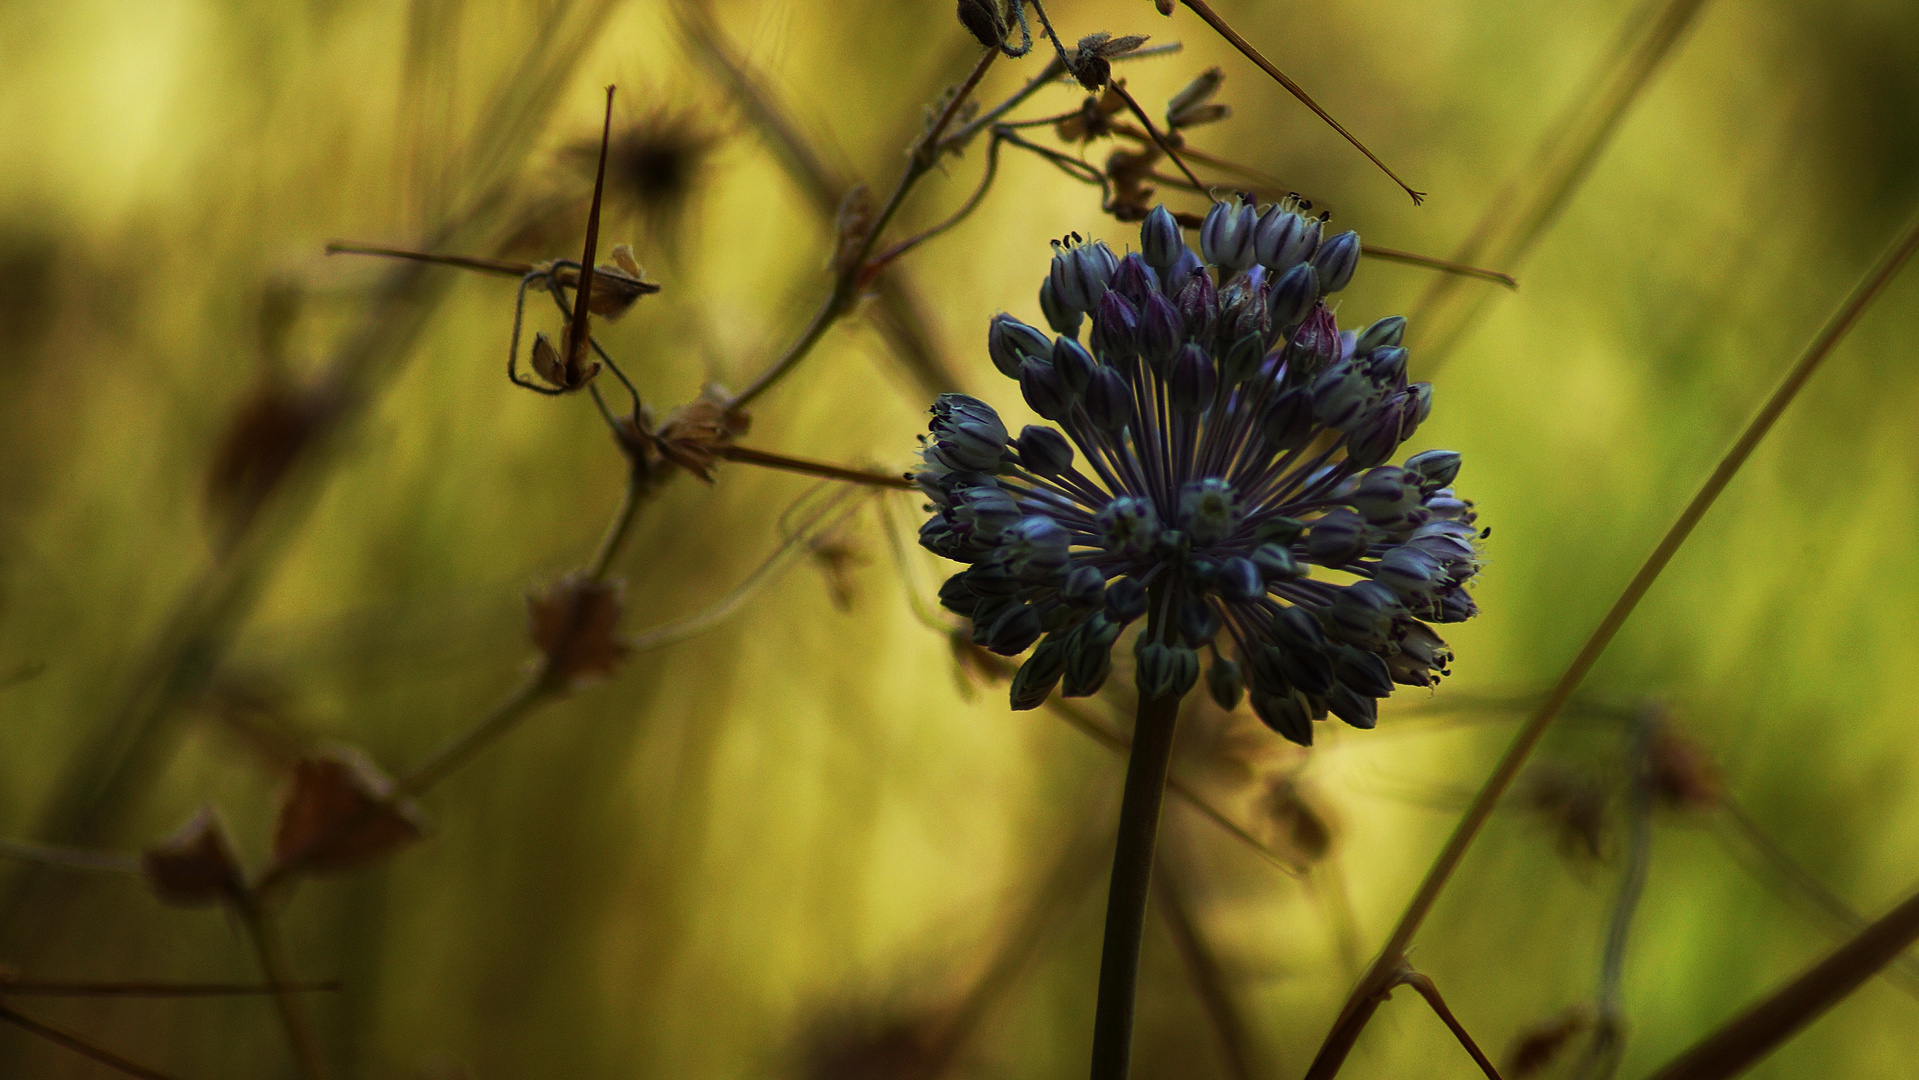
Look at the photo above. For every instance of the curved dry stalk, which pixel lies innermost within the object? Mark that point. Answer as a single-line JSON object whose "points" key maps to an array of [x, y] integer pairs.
{"points": [[1346, 1030], [78, 1045], [196, 632], [69, 858], [1205, 11], [1742, 1042], [1529, 204], [264, 932]]}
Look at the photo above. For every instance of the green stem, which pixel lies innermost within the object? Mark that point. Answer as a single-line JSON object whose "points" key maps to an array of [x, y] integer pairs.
{"points": [[260, 927], [1146, 770]]}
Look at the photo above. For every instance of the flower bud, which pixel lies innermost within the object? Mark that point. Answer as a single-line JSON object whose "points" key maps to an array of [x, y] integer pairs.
{"points": [[1160, 331], [1198, 304], [1385, 366], [1190, 380], [1009, 342], [1283, 239], [1413, 574], [1135, 280], [1109, 401], [1073, 364], [1085, 587], [1174, 278], [1063, 319], [1278, 530], [956, 597], [1044, 450], [1240, 579], [967, 434], [1160, 239], [1313, 346], [1128, 524], [1039, 674], [1337, 538], [1164, 670], [1014, 631], [1336, 259], [1361, 670], [1363, 614], [1116, 326], [1226, 237], [1275, 562], [1288, 423], [1343, 397], [1296, 628], [1382, 334], [1223, 683], [1284, 714], [1208, 510], [1198, 622], [1089, 656], [1040, 385], [1355, 708], [1386, 496], [1291, 297], [1434, 468], [1125, 600]]}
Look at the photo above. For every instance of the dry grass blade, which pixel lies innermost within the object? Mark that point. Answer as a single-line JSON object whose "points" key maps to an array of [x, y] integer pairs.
{"points": [[1346, 1030], [1531, 202], [1205, 11], [80, 1046], [1740, 1044]]}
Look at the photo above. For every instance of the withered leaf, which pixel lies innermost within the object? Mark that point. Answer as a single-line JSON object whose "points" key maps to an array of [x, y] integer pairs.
{"points": [[340, 813], [559, 366], [575, 622], [694, 432], [195, 866]]}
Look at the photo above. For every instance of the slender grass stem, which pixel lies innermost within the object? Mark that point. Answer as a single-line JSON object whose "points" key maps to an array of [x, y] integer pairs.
{"points": [[264, 932], [78, 1045], [1345, 1031], [1146, 769], [853, 269], [771, 460]]}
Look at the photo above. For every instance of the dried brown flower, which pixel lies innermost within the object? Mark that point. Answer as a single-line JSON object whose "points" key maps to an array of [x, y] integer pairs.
{"points": [[340, 813], [195, 866], [575, 622], [693, 432]]}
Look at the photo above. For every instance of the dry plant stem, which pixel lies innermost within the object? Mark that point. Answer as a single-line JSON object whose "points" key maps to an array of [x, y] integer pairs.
{"points": [[1146, 769], [1203, 968], [847, 283], [540, 684], [1442, 265], [1601, 1059], [1346, 1030], [26, 988], [264, 932], [1904, 969], [1741, 1043], [67, 858], [1530, 203], [501, 267], [132, 743], [79, 1045], [1205, 11], [1430, 992], [1153, 132], [816, 468]]}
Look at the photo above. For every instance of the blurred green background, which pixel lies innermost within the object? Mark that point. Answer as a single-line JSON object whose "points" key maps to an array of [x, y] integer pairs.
{"points": [[790, 845]]}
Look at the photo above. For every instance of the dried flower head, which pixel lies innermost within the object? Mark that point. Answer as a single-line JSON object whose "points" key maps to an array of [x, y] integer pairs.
{"points": [[1217, 438], [654, 167]]}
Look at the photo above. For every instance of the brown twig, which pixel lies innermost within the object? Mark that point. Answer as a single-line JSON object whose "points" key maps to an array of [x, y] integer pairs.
{"points": [[1165, 146], [1743, 1041], [770, 460], [44, 988], [264, 932], [1205, 11], [1390, 956], [79, 1045], [1430, 992]]}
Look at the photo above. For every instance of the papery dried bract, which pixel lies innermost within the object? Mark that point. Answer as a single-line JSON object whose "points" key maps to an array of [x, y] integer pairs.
{"points": [[575, 622], [694, 432], [340, 813], [196, 866], [560, 366]]}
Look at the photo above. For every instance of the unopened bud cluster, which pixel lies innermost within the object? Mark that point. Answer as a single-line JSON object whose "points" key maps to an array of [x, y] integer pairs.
{"points": [[1218, 466]]}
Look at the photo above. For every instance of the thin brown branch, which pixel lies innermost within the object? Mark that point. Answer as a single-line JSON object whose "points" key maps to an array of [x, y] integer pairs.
{"points": [[264, 932], [45, 988], [70, 858], [1742, 1042], [852, 274], [80, 1046], [1430, 992], [501, 267], [1392, 954], [1526, 208], [1208, 977], [1444, 266], [1205, 11], [1165, 146], [771, 460]]}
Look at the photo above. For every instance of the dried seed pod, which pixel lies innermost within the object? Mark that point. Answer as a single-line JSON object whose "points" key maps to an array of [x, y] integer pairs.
{"points": [[575, 622], [195, 866], [340, 814]]}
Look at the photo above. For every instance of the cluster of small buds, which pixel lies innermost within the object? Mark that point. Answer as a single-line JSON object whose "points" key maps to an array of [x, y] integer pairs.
{"points": [[1218, 437]]}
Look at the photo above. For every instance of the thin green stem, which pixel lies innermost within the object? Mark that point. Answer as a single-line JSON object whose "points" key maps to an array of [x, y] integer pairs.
{"points": [[1146, 769], [1332, 1054], [849, 280], [264, 932]]}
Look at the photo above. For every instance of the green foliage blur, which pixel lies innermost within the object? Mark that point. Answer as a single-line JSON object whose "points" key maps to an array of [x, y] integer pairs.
{"points": [[793, 844]]}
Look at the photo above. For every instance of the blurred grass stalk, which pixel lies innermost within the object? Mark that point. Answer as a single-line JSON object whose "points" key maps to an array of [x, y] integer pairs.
{"points": [[123, 753]]}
